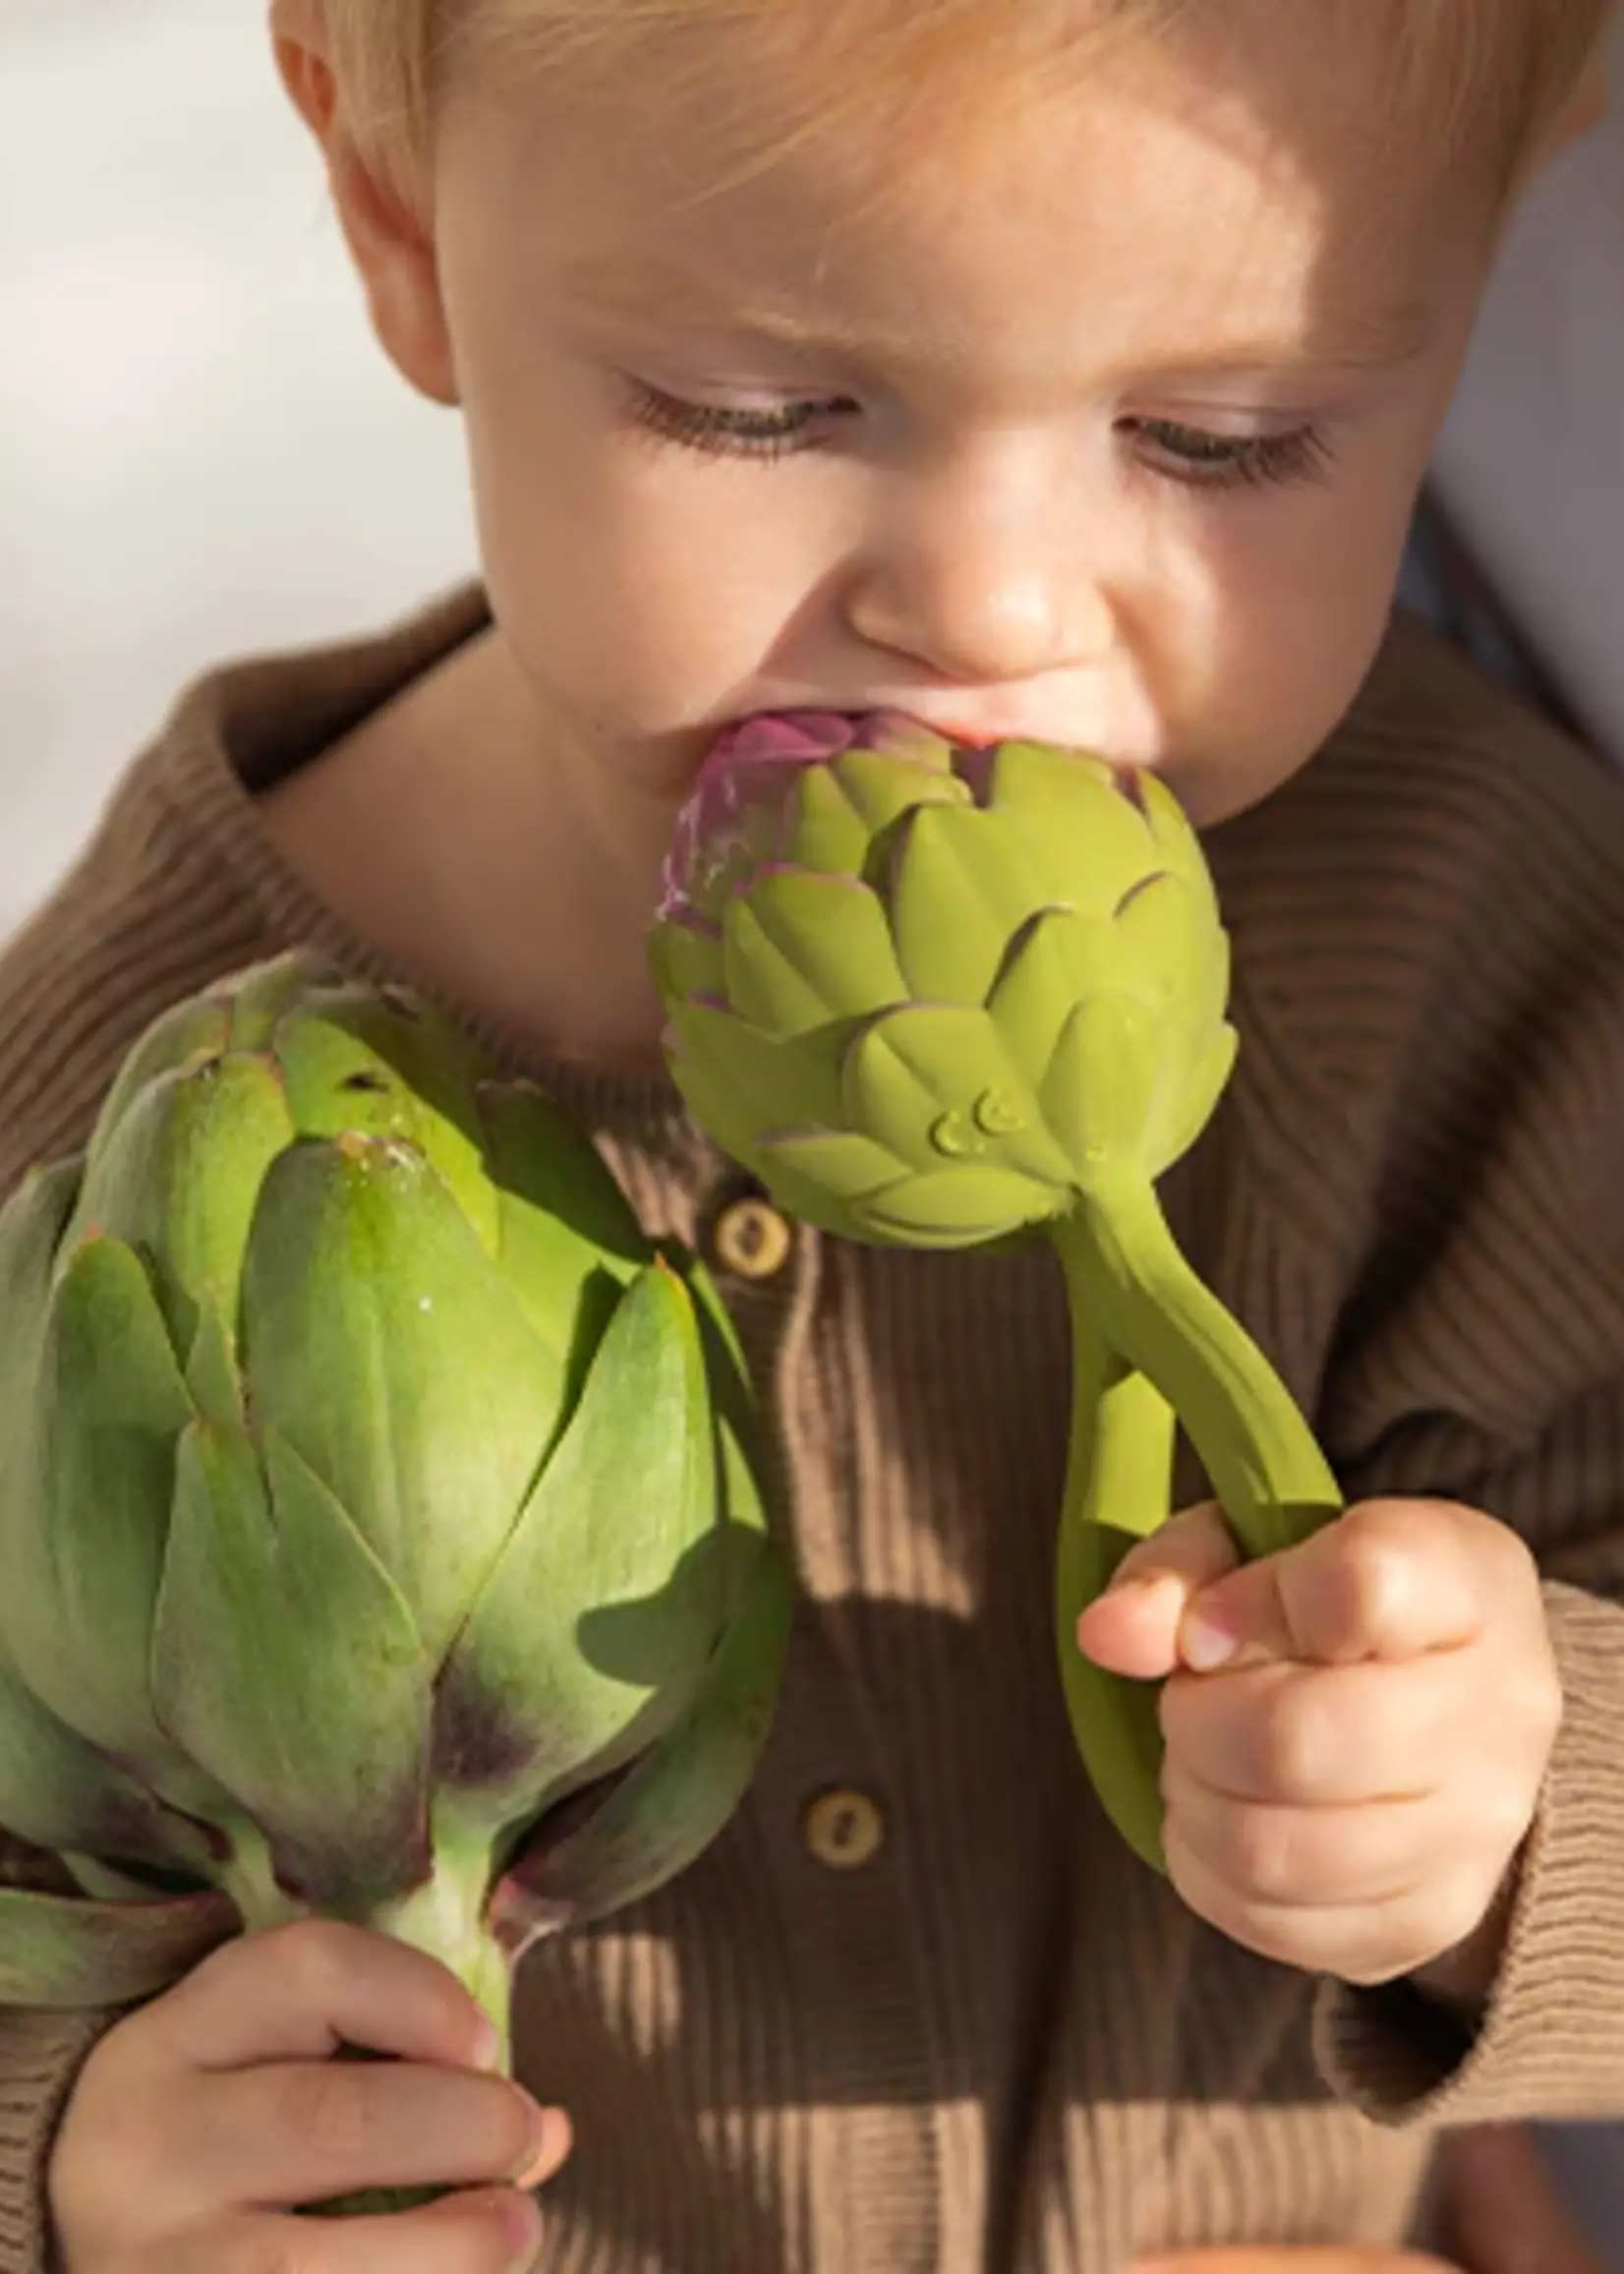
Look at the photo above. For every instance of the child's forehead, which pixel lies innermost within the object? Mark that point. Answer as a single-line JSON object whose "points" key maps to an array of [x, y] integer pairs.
{"points": [[1186, 150], [710, 101], [1152, 216]]}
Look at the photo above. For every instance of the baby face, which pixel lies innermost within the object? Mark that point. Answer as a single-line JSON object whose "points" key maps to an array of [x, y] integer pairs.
{"points": [[1098, 419]]}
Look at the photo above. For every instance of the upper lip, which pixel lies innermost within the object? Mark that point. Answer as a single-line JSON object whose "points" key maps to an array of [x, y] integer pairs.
{"points": [[983, 732]]}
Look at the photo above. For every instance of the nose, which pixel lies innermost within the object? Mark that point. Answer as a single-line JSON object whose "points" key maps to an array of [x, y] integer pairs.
{"points": [[982, 574]]}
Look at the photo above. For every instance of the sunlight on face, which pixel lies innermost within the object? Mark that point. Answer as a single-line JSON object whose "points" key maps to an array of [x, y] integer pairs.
{"points": [[1107, 431]]}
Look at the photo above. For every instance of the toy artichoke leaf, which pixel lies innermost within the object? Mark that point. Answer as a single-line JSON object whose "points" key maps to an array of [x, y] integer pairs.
{"points": [[958, 891]]}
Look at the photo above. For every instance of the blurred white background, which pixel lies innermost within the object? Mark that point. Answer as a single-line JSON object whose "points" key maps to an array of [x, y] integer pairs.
{"points": [[201, 451]]}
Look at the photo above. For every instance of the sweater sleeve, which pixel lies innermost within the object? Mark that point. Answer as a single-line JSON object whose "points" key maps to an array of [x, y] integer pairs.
{"points": [[1482, 1359], [41, 2054], [40, 2058]]}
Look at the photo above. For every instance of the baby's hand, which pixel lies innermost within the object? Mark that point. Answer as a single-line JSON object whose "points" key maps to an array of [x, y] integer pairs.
{"points": [[1348, 1792], [199, 2121]]}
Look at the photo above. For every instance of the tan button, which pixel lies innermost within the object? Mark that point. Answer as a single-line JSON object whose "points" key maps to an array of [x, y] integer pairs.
{"points": [[845, 1830], [751, 1239]]}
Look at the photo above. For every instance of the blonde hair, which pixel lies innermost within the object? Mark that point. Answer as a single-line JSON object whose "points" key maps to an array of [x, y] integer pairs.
{"points": [[1504, 69]]}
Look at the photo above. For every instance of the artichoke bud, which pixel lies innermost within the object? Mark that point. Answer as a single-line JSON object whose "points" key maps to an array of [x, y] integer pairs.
{"points": [[929, 993], [375, 1503]]}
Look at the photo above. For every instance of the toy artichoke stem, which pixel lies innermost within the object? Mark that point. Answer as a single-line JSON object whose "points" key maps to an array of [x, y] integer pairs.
{"points": [[1117, 1491], [1123, 1268]]}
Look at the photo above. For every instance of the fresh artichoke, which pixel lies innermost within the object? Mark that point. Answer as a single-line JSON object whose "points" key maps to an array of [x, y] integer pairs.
{"points": [[378, 1510], [946, 997]]}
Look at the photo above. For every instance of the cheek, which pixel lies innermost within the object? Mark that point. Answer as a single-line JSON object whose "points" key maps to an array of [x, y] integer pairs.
{"points": [[631, 585], [1279, 630]]}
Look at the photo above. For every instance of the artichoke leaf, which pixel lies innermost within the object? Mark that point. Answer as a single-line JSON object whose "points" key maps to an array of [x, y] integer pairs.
{"points": [[552, 1179], [1086, 848], [183, 1036], [1161, 941], [57, 1791], [933, 1083], [285, 1661], [659, 1816], [89, 1533], [388, 1068], [257, 996], [764, 983], [31, 1225], [1033, 997], [831, 932], [1188, 1113], [880, 789], [1100, 1090], [1178, 846], [385, 1347], [766, 1084], [965, 1208], [686, 956], [607, 1598], [826, 830], [79, 1955], [962, 886], [180, 1177], [841, 1163]]}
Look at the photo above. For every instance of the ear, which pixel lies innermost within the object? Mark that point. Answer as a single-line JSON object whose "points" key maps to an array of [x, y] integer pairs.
{"points": [[391, 244]]}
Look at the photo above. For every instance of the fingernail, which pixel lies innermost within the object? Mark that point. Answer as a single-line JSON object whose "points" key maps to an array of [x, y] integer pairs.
{"points": [[1203, 1645], [521, 2225], [1136, 1588], [548, 2136], [487, 2044]]}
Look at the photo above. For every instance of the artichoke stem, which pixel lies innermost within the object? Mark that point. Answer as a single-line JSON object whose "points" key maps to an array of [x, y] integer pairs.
{"points": [[1264, 1464], [1117, 1491], [251, 1882], [447, 1918]]}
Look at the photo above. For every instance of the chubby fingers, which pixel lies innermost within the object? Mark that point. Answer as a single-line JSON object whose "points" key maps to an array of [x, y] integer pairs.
{"points": [[1390, 1579], [1134, 1627]]}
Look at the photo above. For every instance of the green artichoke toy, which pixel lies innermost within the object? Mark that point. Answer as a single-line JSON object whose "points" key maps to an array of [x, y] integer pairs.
{"points": [[380, 1526], [946, 997]]}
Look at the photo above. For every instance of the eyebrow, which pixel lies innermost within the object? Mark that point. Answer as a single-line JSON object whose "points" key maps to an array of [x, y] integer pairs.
{"points": [[1384, 337]]}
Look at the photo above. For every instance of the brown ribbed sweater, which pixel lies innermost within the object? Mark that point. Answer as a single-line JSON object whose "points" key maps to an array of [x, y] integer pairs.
{"points": [[1001, 2044]]}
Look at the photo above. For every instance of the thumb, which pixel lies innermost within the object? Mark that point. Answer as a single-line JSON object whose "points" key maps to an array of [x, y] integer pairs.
{"points": [[1134, 1628]]}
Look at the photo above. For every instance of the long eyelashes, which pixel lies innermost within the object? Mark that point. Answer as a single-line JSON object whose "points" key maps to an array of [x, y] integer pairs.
{"points": [[1212, 461], [718, 432], [1198, 457]]}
